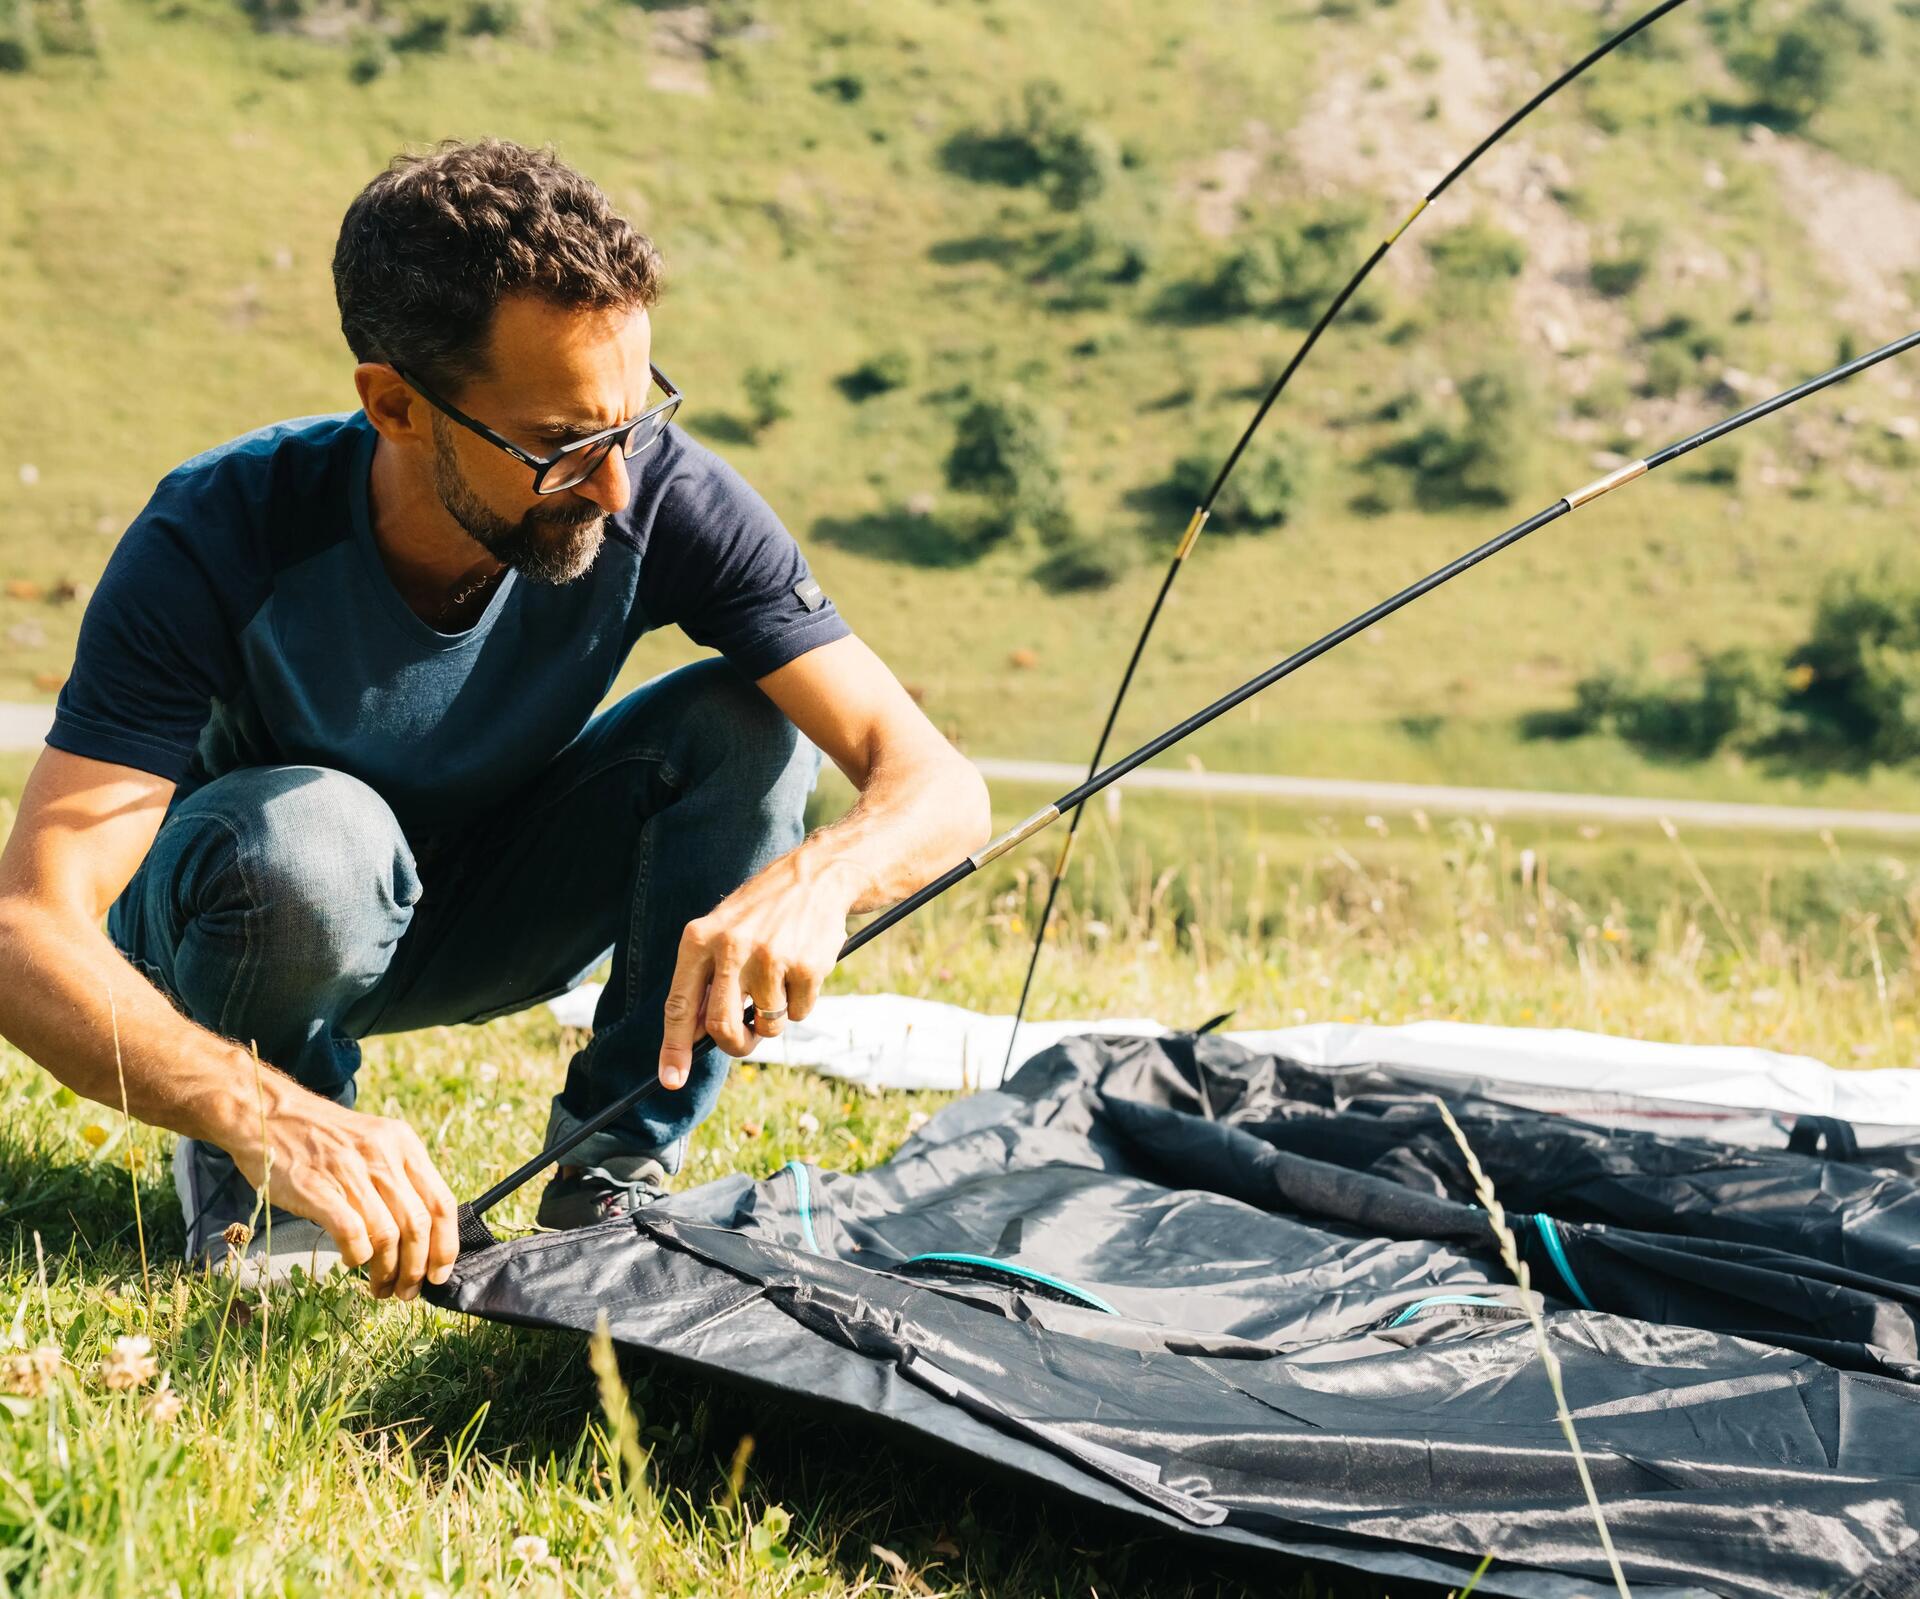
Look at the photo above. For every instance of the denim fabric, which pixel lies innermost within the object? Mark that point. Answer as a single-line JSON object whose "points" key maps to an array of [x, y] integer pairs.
{"points": [[284, 906]]}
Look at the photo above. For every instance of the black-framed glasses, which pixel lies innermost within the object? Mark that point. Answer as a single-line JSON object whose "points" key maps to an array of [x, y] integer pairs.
{"points": [[571, 464]]}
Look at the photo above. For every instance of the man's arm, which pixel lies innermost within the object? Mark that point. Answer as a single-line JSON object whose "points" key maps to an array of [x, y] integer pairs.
{"points": [[922, 806], [83, 828]]}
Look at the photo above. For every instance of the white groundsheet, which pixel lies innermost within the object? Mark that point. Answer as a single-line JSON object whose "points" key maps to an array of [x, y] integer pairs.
{"points": [[1729, 1092]]}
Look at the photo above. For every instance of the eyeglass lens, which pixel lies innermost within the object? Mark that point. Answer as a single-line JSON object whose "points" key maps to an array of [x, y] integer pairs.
{"points": [[577, 469]]}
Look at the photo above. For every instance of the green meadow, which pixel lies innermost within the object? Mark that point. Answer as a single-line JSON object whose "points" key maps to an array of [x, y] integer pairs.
{"points": [[1658, 246]]}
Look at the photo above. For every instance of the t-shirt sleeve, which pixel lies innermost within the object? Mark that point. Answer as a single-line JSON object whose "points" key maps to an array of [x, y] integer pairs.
{"points": [[155, 650], [722, 565]]}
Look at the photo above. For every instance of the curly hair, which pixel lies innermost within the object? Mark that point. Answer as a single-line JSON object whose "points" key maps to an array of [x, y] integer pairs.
{"points": [[431, 246]]}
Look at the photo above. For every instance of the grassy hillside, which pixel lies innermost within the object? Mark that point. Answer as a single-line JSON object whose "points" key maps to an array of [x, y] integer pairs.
{"points": [[814, 177]]}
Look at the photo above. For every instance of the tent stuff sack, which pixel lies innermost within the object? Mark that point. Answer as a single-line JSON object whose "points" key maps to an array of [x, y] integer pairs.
{"points": [[1250, 1298]]}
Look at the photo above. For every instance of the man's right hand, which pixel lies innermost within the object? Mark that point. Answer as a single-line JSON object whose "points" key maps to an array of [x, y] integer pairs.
{"points": [[367, 1179]]}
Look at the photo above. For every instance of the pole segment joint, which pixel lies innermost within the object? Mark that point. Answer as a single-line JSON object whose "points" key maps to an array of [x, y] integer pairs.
{"points": [[1017, 834], [1602, 485]]}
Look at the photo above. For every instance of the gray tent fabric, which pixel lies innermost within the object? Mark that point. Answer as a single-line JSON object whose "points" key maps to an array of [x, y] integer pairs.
{"points": [[1251, 1300]]}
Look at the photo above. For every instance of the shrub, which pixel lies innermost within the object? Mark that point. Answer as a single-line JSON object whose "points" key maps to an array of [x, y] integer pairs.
{"points": [[495, 17], [1735, 699], [1292, 271], [423, 33], [19, 39], [370, 56], [1005, 449], [1861, 662], [1619, 274], [846, 87], [1473, 452], [1795, 66], [1049, 147], [1477, 253], [890, 369], [1264, 491], [766, 388]]}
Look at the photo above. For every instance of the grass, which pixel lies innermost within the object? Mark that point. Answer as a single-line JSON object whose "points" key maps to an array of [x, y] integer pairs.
{"points": [[332, 1443], [233, 153]]}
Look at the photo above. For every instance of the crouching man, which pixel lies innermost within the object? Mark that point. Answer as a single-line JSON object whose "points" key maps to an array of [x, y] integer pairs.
{"points": [[330, 761]]}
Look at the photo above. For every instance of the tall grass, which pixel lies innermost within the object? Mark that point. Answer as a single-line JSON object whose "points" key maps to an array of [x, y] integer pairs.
{"points": [[344, 1445]]}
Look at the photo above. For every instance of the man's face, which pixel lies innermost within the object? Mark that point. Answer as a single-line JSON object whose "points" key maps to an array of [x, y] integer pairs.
{"points": [[554, 375]]}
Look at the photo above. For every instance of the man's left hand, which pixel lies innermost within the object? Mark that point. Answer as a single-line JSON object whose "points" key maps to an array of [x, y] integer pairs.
{"points": [[773, 941]]}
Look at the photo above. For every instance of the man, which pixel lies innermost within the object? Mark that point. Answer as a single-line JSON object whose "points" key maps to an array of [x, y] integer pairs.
{"points": [[329, 763]]}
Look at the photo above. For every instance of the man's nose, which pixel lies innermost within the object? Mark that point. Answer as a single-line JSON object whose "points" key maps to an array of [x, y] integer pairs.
{"points": [[608, 486]]}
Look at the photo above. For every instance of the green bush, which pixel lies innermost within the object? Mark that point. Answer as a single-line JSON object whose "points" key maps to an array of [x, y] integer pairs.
{"points": [[369, 56], [1619, 274], [878, 374], [846, 87], [1049, 146], [1080, 564], [1292, 271], [1005, 449], [495, 17], [1470, 452], [1795, 64], [1849, 695], [766, 388], [19, 39], [1264, 491], [1861, 662], [1477, 253]]}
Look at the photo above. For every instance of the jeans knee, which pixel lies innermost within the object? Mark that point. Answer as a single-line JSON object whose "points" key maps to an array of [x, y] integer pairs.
{"points": [[315, 857], [740, 737]]}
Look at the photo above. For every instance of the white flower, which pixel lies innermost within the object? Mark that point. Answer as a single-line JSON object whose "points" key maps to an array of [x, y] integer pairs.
{"points": [[530, 1549], [131, 1364]]}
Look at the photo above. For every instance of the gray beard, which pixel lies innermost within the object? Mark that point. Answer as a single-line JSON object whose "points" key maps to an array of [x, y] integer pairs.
{"points": [[550, 546]]}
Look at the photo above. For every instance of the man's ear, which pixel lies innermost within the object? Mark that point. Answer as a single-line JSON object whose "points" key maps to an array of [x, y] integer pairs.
{"points": [[392, 407]]}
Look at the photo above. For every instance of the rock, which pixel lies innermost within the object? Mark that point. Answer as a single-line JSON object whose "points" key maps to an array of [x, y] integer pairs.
{"points": [[27, 635], [921, 504], [29, 473], [1903, 427]]}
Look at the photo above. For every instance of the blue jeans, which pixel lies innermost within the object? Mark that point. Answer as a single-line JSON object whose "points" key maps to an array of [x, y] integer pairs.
{"points": [[285, 906]]}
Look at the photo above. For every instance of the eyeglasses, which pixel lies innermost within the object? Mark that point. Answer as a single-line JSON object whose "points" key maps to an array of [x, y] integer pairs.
{"points": [[571, 464]]}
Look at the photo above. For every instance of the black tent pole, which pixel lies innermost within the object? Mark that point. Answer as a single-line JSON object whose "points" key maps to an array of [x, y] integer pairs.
{"points": [[473, 1231], [1205, 509]]}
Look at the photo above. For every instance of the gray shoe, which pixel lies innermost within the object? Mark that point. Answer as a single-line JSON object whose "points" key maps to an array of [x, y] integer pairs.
{"points": [[595, 1194], [218, 1204]]}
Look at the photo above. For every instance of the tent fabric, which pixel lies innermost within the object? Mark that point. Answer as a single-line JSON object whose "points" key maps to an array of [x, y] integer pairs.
{"points": [[1251, 1298], [1733, 1092]]}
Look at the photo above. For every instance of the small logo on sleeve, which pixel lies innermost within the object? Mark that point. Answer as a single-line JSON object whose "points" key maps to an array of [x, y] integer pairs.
{"points": [[809, 595]]}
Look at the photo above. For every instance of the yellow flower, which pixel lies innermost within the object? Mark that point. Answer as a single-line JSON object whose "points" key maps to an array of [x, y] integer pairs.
{"points": [[94, 1134]]}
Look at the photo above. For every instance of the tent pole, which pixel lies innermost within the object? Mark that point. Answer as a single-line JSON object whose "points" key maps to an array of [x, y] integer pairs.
{"points": [[473, 1231]]}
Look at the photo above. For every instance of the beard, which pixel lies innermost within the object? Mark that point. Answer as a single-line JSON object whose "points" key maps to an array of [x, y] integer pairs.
{"points": [[547, 545]]}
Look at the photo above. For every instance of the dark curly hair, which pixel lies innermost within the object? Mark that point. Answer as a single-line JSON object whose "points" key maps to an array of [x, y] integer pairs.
{"points": [[430, 247]]}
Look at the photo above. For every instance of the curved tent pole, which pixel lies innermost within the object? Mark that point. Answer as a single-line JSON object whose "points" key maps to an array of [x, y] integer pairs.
{"points": [[473, 1231], [1205, 509]]}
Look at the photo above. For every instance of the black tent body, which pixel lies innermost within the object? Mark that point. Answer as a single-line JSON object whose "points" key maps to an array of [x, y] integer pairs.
{"points": [[1253, 1301]]}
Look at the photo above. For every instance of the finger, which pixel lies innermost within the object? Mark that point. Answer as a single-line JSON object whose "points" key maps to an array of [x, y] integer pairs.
{"points": [[383, 1237], [443, 1247], [766, 983], [726, 1010], [686, 997], [344, 1226], [410, 1263], [803, 993]]}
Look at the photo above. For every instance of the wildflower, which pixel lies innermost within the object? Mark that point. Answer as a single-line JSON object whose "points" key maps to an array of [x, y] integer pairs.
{"points": [[30, 1375], [131, 1363], [238, 1235], [916, 1121], [530, 1549], [163, 1405], [808, 1122]]}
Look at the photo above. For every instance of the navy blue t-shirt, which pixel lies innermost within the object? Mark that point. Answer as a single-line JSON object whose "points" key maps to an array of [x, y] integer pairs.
{"points": [[246, 619]]}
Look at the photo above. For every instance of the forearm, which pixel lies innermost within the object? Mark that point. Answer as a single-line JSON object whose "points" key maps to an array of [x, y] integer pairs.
{"points": [[73, 1003], [914, 818]]}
